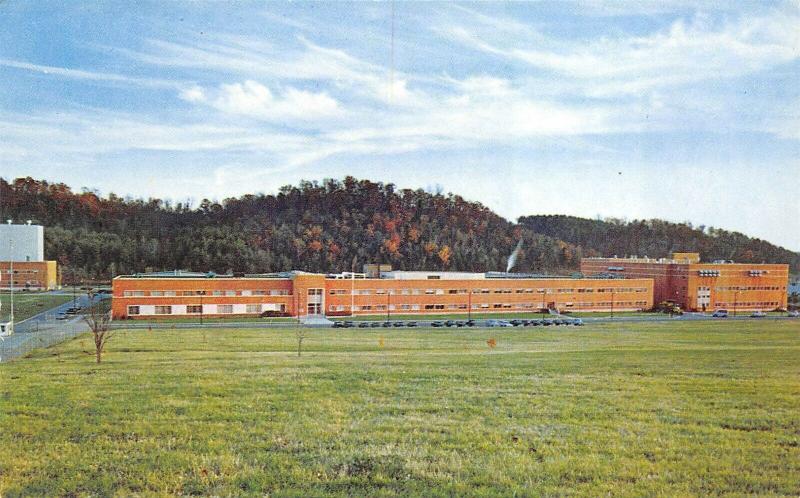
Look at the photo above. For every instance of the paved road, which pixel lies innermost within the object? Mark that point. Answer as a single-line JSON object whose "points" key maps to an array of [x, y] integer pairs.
{"points": [[135, 324], [43, 330]]}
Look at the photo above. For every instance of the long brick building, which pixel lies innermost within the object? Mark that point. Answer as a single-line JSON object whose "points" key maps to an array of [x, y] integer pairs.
{"points": [[181, 294], [695, 286]]}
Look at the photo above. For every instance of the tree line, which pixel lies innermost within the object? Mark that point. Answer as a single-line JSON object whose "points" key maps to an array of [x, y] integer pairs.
{"points": [[329, 226], [657, 239]]}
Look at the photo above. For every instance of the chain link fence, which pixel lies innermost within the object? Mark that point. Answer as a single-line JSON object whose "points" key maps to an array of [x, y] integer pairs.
{"points": [[39, 334]]}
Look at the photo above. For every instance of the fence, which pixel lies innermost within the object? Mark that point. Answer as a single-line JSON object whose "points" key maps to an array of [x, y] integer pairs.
{"points": [[39, 334]]}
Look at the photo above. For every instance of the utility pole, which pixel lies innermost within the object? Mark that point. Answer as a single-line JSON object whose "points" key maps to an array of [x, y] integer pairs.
{"points": [[612, 302], [544, 298], [74, 290], [11, 280], [469, 305], [202, 293]]}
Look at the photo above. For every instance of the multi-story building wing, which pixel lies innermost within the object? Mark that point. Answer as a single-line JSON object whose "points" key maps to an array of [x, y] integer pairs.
{"points": [[696, 286], [29, 275], [307, 294]]}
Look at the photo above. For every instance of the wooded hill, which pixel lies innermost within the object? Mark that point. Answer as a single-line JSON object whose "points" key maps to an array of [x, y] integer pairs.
{"points": [[658, 238], [333, 226]]}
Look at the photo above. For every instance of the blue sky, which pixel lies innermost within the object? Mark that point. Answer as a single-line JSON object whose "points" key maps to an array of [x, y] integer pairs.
{"points": [[686, 111]]}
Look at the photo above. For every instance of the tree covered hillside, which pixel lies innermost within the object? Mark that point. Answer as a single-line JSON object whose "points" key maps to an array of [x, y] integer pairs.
{"points": [[657, 238], [329, 226], [335, 226]]}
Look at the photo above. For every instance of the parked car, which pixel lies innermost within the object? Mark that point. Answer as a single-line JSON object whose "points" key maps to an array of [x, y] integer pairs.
{"points": [[348, 324], [720, 314], [437, 323], [547, 323], [386, 324], [398, 324], [363, 325], [460, 323], [338, 325], [449, 323], [577, 322], [793, 314], [515, 322], [411, 324], [535, 323], [757, 314], [470, 323], [492, 323], [374, 325]]}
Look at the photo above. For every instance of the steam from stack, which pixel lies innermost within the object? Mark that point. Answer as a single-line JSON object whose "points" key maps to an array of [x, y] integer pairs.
{"points": [[512, 260]]}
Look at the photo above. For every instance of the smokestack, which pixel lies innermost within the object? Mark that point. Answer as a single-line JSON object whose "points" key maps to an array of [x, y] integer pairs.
{"points": [[512, 260]]}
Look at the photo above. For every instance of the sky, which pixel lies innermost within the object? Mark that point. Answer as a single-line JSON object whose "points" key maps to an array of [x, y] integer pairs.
{"points": [[680, 110]]}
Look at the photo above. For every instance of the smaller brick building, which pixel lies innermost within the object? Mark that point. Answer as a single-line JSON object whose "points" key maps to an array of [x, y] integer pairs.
{"points": [[29, 275]]}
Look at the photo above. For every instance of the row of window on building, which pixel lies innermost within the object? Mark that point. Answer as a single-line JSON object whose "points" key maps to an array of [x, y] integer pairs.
{"points": [[197, 309], [482, 306], [173, 293], [419, 292], [748, 304], [750, 288]]}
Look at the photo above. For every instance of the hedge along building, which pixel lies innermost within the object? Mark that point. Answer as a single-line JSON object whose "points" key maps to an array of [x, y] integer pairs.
{"points": [[300, 294], [696, 286]]}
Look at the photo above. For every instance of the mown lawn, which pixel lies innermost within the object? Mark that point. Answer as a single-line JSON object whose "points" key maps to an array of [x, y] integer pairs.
{"points": [[27, 304], [662, 409]]}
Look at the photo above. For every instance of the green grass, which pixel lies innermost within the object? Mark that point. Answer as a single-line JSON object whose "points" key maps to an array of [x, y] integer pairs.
{"points": [[27, 304], [658, 409]]}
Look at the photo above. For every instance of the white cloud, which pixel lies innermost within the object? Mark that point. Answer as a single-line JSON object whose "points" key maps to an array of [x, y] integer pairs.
{"points": [[251, 98], [79, 74], [193, 94], [684, 52]]}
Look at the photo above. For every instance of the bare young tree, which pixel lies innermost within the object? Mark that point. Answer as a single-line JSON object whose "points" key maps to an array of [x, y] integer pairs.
{"points": [[300, 333], [98, 317]]}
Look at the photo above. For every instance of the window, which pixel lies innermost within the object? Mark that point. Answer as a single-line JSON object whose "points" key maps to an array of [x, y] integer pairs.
{"points": [[230, 292], [314, 292], [156, 293], [217, 293], [169, 293], [133, 293], [190, 293], [224, 308], [193, 309], [253, 308], [163, 310], [133, 310]]}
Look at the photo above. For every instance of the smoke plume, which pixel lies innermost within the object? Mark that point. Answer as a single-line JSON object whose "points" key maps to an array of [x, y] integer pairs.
{"points": [[512, 260]]}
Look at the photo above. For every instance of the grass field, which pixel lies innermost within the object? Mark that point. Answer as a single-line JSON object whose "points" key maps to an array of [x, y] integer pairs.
{"points": [[662, 409], [27, 304]]}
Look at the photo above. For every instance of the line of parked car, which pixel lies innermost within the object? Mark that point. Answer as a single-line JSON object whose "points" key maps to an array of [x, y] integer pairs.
{"points": [[754, 314], [69, 313], [346, 324], [546, 322]]}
